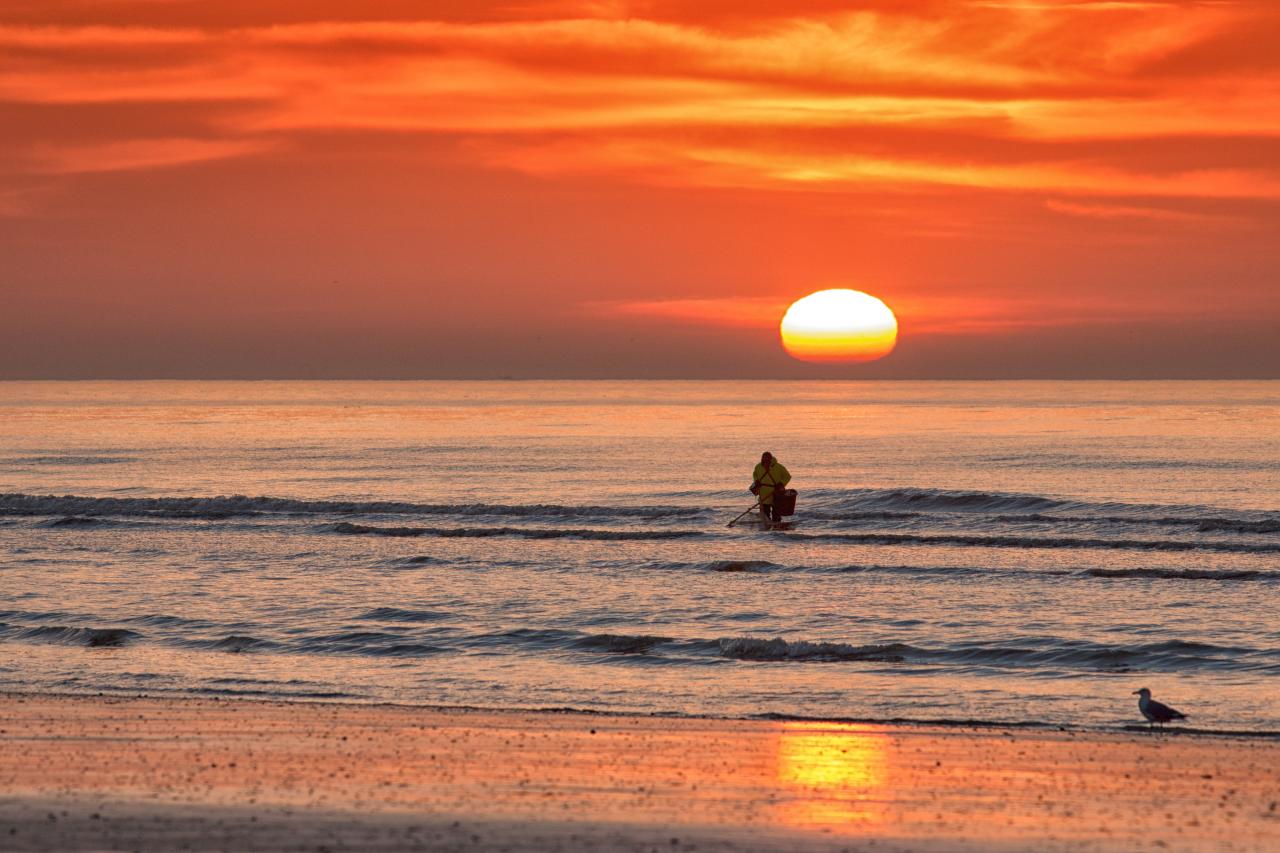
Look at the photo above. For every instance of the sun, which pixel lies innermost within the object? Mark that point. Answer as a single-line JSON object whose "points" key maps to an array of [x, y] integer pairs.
{"points": [[839, 325]]}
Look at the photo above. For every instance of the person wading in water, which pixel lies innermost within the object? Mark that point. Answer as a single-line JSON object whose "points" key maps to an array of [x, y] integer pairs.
{"points": [[769, 475]]}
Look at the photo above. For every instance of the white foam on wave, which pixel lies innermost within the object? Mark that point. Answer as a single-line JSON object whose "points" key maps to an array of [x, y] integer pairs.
{"points": [[779, 649]]}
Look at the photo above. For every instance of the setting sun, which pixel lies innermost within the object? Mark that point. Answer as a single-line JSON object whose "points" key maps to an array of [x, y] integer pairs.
{"points": [[839, 325]]}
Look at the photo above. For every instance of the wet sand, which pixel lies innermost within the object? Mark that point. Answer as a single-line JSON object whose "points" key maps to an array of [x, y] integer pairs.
{"points": [[152, 774]]}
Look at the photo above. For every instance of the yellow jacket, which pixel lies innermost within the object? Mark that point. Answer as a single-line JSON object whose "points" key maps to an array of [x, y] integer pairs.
{"points": [[776, 476]]}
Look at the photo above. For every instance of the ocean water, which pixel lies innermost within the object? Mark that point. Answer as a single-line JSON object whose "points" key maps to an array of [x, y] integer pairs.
{"points": [[1011, 552]]}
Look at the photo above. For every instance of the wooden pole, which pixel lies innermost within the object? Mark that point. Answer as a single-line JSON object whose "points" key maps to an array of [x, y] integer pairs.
{"points": [[751, 508]]}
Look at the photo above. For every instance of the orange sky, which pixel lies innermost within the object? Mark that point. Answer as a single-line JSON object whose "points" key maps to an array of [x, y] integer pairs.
{"points": [[613, 188]]}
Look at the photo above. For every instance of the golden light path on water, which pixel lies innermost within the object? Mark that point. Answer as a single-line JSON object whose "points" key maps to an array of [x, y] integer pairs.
{"points": [[839, 325]]}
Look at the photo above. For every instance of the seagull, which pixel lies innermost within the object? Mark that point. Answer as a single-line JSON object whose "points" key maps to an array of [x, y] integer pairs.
{"points": [[1155, 712]]}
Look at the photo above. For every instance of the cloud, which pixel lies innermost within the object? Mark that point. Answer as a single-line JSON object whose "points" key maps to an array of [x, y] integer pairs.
{"points": [[728, 95], [927, 314], [138, 154], [1124, 211], [744, 312], [776, 168]]}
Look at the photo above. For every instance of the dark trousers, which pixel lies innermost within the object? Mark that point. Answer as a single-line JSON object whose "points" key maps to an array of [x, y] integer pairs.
{"points": [[769, 512]]}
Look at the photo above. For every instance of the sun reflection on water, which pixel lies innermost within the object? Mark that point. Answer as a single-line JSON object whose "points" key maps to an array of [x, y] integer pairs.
{"points": [[838, 774]]}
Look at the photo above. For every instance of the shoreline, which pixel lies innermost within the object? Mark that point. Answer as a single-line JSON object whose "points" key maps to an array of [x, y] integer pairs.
{"points": [[149, 773], [1173, 729]]}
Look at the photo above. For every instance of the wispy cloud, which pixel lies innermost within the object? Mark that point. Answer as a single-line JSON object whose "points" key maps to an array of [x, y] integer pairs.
{"points": [[745, 312], [934, 313], [659, 90], [1126, 211], [138, 154], [776, 168]]}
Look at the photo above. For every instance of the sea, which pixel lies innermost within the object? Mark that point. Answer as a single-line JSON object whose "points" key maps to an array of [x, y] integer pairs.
{"points": [[1015, 553]]}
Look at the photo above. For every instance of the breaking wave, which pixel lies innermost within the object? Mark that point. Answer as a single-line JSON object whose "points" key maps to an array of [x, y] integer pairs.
{"points": [[619, 644], [940, 500], [70, 636], [778, 649]]}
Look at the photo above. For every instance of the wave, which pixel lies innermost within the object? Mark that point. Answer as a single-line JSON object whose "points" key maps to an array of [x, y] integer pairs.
{"points": [[936, 571], [965, 571], [910, 503], [994, 541], [164, 620], [935, 500], [367, 643], [1168, 655], [72, 521], [778, 649], [346, 527], [40, 616], [389, 643], [237, 644], [1198, 524], [395, 614], [286, 695], [404, 634], [370, 643], [1023, 653], [1026, 653], [619, 644], [419, 560], [1213, 525], [240, 505], [74, 460], [71, 636], [742, 648], [739, 566], [1186, 574], [978, 513]]}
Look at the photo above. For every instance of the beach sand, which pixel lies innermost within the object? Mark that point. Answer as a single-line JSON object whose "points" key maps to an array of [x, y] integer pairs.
{"points": [[151, 774]]}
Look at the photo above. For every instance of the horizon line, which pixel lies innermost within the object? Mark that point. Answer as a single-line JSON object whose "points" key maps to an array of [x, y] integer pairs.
{"points": [[641, 379]]}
